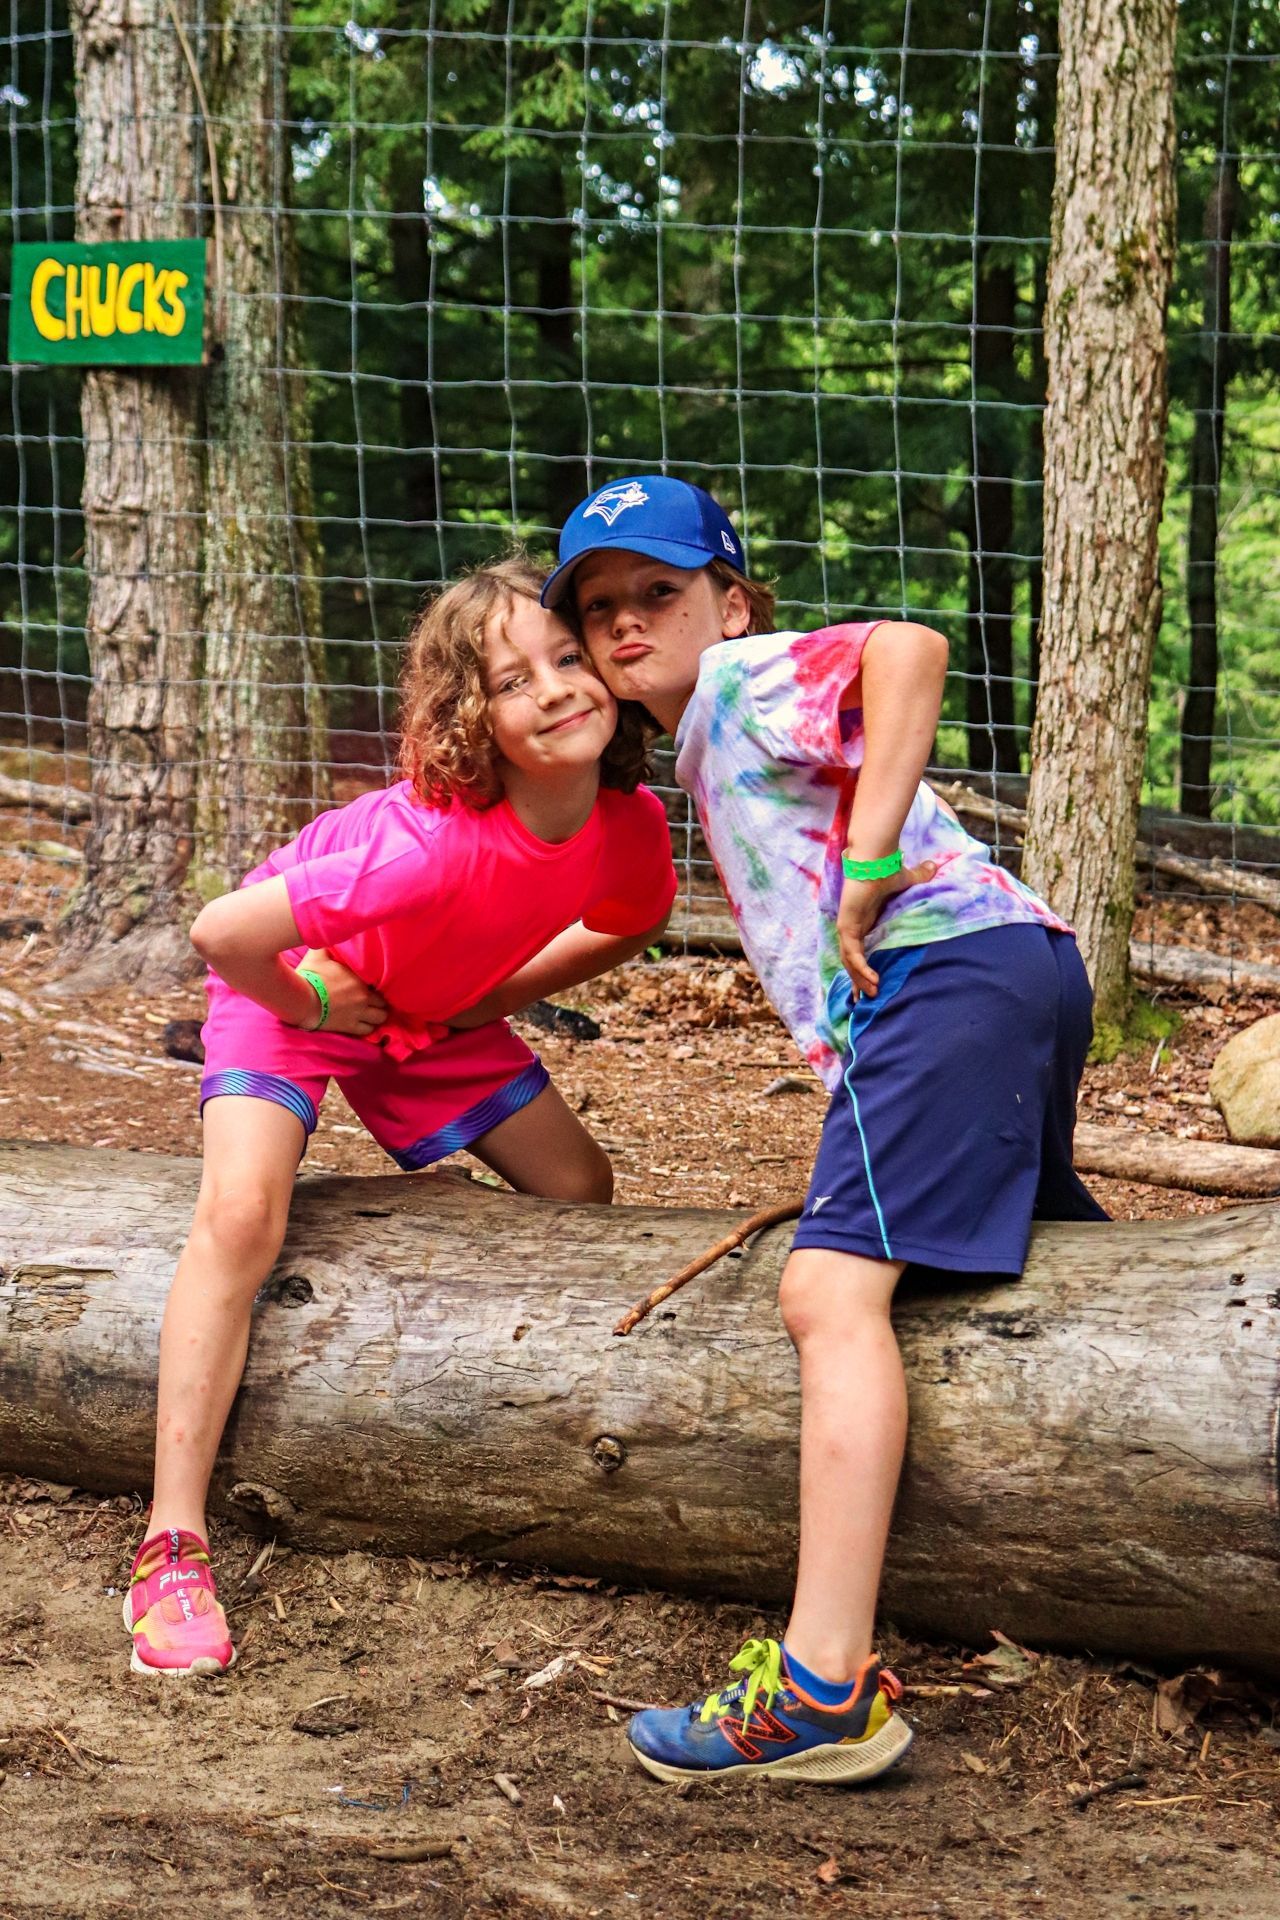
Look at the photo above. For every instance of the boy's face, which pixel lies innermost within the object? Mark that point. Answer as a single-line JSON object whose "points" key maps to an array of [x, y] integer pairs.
{"points": [[647, 625], [549, 710]]}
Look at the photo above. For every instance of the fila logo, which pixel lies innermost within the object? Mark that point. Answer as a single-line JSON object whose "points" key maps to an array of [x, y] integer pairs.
{"points": [[166, 1578], [612, 501], [728, 545]]}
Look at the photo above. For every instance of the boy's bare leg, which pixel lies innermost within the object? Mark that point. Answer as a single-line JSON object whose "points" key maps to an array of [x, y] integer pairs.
{"points": [[251, 1151], [853, 1430], [545, 1149]]}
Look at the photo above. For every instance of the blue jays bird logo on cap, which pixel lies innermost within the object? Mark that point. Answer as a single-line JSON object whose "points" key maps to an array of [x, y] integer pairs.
{"points": [[612, 501]]}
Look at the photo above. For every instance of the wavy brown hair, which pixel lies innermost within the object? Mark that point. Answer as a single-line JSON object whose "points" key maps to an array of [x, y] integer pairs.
{"points": [[446, 739]]}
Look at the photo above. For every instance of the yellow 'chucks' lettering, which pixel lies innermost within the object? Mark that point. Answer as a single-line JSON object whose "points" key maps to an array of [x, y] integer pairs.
{"points": [[98, 302]]}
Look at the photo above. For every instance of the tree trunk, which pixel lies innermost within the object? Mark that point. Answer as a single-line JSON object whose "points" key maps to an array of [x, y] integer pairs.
{"points": [[1104, 469], [1204, 485], [263, 768], [137, 180], [1092, 1459]]}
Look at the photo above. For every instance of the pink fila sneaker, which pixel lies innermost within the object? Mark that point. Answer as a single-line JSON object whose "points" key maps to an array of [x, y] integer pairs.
{"points": [[172, 1609]]}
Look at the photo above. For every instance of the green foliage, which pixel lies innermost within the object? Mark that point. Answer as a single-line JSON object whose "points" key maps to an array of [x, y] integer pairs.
{"points": [[1146, 1025], [542, 245]]}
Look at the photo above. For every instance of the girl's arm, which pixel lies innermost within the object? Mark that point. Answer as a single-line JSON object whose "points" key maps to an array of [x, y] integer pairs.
{"points": [[903, 670], [243, 935], [573, 956]]}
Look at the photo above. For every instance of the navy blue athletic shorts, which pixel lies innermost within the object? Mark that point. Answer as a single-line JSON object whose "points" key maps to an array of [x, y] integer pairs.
{"points": [[951, 1129]]}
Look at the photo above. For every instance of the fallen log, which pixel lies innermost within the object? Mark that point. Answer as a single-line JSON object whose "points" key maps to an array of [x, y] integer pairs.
{"points": [[1093, 1451], [1193, 1166], [41, 796], [1206, 875]]}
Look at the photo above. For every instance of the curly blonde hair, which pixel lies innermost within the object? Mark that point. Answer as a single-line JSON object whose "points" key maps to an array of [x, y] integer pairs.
{"points": [[446, 739]]}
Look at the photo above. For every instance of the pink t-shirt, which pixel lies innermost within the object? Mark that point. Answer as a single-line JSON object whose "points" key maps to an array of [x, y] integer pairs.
{"points": [[434, 906]]}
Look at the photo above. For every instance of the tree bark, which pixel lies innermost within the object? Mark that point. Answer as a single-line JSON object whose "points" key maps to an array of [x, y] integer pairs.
{"points": [[1092, 1459], [1204, 486], [1109, 282], [263, 767], [137, 180]]}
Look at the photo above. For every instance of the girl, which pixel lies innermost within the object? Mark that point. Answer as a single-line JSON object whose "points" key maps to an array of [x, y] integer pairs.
{"points": [[517, 857], [953, 1061]]}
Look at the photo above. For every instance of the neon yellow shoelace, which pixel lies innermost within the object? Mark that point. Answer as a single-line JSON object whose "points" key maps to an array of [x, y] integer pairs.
{"points": [[761, 1661]]}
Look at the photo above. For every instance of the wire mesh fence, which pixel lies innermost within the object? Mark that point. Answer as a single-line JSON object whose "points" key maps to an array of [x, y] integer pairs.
{"points": [[516, 251]]}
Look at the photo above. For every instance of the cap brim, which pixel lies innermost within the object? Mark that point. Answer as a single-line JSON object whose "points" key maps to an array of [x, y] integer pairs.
{"points": [[677, 553]]}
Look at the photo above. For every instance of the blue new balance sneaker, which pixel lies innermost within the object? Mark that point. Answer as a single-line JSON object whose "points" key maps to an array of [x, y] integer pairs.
{"points": [[766, 1724]]}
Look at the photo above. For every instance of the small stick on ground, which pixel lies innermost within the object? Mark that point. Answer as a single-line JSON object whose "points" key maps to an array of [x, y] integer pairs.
{"points": [[767, 1217], [412, 1850], [621, 1700], [1123, 1783], [508, 1786]]}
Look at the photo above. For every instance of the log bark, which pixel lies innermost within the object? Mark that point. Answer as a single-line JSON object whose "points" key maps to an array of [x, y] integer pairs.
{"points": [[143, 513], [1192, 1166], [1092, 1461], [1109, 276], [263, 767]]}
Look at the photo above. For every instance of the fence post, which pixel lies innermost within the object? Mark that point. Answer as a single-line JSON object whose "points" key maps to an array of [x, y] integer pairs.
{"points": [[263, 766], [1109, 278], [143, 499]]}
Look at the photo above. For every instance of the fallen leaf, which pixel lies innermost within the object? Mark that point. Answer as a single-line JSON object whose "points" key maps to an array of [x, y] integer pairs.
{"points": [[829, 1871], [1180, 1701], [551, 1671], [973, 1763]]}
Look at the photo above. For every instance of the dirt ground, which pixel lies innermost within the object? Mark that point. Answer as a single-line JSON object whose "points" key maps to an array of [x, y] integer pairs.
{"points": [[380, 1704]]}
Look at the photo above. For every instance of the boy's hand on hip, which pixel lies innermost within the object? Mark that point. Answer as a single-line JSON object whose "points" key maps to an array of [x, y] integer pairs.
{"points": [[860, 905], [355, 1008]]}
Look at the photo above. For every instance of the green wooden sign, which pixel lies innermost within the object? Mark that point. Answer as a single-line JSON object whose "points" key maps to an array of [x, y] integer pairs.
{"points": [[124, 303]]}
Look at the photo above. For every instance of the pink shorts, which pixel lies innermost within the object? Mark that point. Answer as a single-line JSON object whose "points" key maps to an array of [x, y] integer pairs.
{"points": [[418, 1110]]}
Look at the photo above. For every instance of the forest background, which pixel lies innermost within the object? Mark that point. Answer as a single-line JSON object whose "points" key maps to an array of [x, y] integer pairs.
{"points": [[525, 248]]}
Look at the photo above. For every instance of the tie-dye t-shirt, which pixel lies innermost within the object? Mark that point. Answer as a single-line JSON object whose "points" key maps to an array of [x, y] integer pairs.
{"points": [[771, 758]]}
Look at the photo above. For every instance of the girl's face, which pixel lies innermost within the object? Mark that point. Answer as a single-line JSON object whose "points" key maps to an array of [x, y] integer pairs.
{"points": [[549, 710], [647, 625]]}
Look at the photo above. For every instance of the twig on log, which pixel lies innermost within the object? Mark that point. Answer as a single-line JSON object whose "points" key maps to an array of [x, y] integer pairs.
{"points": [[68, 801], [767, 1217]]}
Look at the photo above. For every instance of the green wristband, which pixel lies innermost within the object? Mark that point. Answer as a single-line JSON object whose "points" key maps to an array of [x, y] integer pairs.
{"points": [[873, 869], [321, 992]]}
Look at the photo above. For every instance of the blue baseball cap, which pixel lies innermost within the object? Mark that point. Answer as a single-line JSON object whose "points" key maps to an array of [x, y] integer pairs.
{"points": [[662, 518]]}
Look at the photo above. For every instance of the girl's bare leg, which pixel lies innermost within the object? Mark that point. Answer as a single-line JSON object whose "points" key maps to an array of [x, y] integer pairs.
{"points": [[251, 1152], [545, 1149], [853, 1431]]}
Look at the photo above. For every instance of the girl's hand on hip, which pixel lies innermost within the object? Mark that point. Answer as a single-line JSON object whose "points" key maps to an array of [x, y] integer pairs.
{"points": [[355, 1008], [860, 904]]}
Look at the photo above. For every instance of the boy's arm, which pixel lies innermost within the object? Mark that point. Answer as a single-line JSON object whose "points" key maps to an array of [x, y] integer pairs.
{"points": [[243, 935], [903, 671], [573, 956]]}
